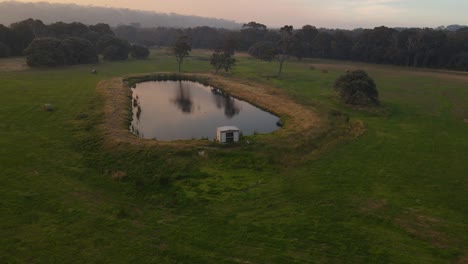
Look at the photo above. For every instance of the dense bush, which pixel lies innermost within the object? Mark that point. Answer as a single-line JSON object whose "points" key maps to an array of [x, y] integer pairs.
{"points": [[139, 52], [357, 88], [113, 48], [45, 52]]}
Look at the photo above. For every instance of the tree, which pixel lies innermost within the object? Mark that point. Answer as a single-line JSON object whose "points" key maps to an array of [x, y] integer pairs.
{"points": [[357, 88], [181, 49], [5, 38], [64, 30], [97, 31], [285, 46], [263, 50], [267, 50], [341, 46], [308, 34], [78, 51], [322, 45], [222, 58], [373, 44], [53, 52], [102, 29], [5, 35], [113, 48], [23, 33], [45, 52], [206, 37], [139, 51], [4, 50], [126, 32], [252, 33], [459, 62]]}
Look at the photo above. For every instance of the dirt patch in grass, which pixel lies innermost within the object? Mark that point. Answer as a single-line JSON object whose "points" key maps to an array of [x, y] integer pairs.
{"points": [[463, 259], [118, 175], [13, 64], [425, 228], [415, 223], [370, 206], [299, 119]]}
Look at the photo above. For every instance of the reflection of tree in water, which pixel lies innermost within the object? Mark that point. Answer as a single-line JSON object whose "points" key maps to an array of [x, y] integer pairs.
{"points": [[224, 100], [183, 99]]}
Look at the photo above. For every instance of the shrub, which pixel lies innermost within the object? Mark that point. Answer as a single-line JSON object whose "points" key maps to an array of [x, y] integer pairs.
{"points": [[139, 52], [357, 88]]}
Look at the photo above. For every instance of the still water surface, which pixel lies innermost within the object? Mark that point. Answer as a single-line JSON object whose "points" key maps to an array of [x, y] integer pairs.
{"points": [[172, 110]]}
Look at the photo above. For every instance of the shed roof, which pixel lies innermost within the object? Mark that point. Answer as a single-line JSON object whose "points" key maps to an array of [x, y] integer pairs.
{"points": [[227, 128]]}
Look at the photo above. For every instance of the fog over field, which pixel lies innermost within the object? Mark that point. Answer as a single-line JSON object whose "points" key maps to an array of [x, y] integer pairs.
{"points": [[49, 13], [342, 14]]}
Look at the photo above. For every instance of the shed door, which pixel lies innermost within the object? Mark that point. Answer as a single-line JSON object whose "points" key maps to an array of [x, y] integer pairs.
{"points": [[230, 137]]}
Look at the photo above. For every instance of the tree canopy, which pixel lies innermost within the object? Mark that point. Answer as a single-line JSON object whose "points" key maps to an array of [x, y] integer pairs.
{"points": [[78, 51], [45, 52], [53, 52], [113, 48], [19, 35]]}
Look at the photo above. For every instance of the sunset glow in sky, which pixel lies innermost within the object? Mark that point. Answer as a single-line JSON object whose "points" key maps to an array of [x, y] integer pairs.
{"points": [[329, 13]]}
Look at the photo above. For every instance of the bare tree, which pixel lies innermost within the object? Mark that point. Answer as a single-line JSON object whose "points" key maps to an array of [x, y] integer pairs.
{"points": [[285, 45]]}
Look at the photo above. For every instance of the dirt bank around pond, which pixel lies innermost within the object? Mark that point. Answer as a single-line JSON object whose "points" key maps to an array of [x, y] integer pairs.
{"points": [[299, 121]]}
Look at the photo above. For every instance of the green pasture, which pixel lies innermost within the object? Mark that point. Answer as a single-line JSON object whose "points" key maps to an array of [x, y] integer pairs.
{"points": [[396, 194]]}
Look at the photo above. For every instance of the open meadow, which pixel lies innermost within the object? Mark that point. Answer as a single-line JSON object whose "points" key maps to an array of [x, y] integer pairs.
{"points": [[396, 193]]}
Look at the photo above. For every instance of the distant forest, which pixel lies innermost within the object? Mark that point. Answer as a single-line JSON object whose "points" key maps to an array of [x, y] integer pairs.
{"points": [[436, 48], [50, 13], [416, 47]]}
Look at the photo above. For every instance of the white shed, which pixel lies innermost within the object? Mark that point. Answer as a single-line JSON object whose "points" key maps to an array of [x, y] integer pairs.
{"points": [[227, 134]]}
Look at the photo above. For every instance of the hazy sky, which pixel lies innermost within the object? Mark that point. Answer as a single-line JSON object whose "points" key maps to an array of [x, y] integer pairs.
{"points": [[323, 13]]}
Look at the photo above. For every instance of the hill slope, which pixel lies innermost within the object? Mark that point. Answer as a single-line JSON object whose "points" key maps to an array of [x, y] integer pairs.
{"points": [[49, 13]]}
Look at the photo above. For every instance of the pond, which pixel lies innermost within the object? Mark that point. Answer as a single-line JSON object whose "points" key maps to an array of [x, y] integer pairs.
{"points": [[173, 110]]}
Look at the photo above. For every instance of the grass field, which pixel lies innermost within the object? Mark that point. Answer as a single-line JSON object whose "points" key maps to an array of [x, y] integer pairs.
{"points": [[396, 194]]}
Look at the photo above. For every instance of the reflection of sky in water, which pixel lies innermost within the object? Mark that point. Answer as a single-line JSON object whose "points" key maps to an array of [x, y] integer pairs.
{"points": [[173, 110]]}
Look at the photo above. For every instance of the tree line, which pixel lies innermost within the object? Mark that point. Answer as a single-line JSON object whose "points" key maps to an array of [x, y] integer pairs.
{"points": [[415, 47], [412, 47], [64, 43]]}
